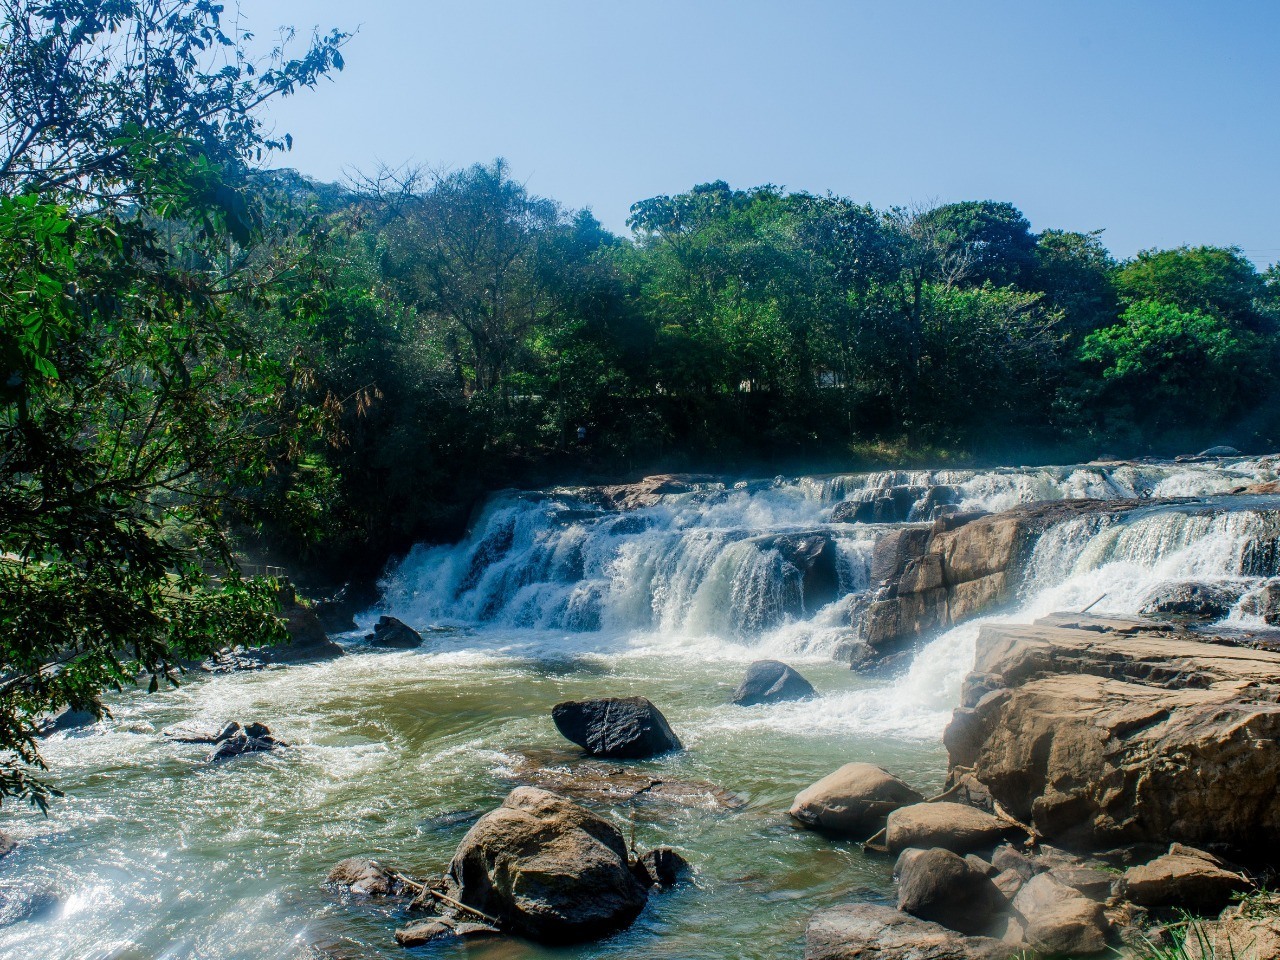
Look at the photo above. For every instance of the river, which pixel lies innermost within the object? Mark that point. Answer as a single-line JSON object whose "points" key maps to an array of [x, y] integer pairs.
{"points": [[155, 854]]}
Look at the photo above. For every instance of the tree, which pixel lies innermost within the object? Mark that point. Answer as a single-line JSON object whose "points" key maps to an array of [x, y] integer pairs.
{"points": [[1217, 280], [133, 403]]}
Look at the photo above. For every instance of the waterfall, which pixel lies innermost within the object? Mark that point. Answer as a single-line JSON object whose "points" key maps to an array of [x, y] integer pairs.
{"points": [[774, 565]]}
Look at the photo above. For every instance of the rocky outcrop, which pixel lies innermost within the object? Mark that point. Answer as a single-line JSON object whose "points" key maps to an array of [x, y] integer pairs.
{"points": [[771, 681], [952, 826], [814, 556], [930, 578], [394, 634], [1101, 732], [651, 490], [236, 740], [870, 931], [854, 801], [619, 728], [546, 869]]}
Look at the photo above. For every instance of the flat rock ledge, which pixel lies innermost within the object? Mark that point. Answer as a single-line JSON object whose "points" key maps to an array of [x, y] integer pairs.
{"points": [[863, 931], [1100, 732]]}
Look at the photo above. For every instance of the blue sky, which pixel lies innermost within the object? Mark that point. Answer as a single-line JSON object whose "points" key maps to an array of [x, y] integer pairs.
{"points": [[1156, 121]]}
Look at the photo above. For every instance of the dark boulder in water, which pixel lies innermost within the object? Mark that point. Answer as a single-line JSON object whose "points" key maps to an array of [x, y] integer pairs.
{"points": [[814, 555], [547, 869], [771, 681], [230, 740], [1192, 598], [661, 867], [393, 633], [67, 718], [1220, 451], [620, 728]]}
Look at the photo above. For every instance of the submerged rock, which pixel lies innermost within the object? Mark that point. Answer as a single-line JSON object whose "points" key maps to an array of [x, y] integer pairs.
{"points": [[393, 633], [367, 878], [623, 728], [547, 869], [661, 867], [443, 929], [232, 740], [771, 681], [941, 886], [567, 774], [870, 931], [952, 826], [853, 801]]}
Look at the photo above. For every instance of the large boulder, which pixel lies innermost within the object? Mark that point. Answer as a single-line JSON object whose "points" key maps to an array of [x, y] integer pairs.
{"points": [[870, 931], [620, 728], [952, 826], [1058, 920], [941, 886], [771, 681], [547, 869], [815, 557], [393, 633], [1184, 877], [853, 801], [1101, 732]]}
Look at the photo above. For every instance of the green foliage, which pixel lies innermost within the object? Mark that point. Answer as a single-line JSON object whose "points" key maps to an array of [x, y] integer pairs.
{"points": [[135, 405]]}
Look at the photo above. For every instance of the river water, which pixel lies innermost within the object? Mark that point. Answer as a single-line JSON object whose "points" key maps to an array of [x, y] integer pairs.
{"points": [[154, 854]]}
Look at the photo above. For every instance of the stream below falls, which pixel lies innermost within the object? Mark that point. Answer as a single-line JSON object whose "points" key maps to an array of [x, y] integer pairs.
{"points": [[155, 855]]}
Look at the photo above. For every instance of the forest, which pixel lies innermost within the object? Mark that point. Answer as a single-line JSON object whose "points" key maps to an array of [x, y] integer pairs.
{"points": [[203, 351]]}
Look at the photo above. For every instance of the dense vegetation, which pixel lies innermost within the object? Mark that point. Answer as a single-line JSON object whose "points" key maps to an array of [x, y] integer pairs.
{"points": [[196, 349]]}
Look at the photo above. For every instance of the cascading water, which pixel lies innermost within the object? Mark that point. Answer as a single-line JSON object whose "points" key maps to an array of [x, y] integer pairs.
{"points": [[553, 596]]}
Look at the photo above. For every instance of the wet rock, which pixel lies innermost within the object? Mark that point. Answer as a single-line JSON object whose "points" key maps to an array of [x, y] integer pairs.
{"points": [[1059, 921], [651, 490], [1184, 877], [1192, 598], [853, 801], [395, 634], [565, 773], [1220, 451], [852, 511], [188, 733], [815, 557], [367, 878], [623, 728], [1082, 727], [251, 738], [952, 826], [771, 681], [547, 869], [870, 931], [68, 718], [940, 886], [7, 844], [662, 868], [443, 929], [1264, 602]]}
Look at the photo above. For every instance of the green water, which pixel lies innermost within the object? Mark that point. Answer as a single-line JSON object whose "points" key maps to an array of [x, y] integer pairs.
{"points": [[154, 854]]}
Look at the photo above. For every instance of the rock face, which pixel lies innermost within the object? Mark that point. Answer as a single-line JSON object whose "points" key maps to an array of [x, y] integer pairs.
{"points": [[814, 557], [940, 886], [771, 681], [869, 931], [651, 490], [1058, 919], [620, 728], [952, 826], [930, 578], [547, 869], [1184, 877], [854, 801], [393, 633], [1104, 732], [1191, 598]]}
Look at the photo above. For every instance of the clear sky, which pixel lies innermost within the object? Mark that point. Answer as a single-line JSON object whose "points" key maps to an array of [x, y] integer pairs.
{"points": [[1156, 121]]}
